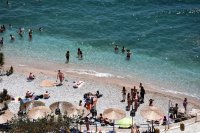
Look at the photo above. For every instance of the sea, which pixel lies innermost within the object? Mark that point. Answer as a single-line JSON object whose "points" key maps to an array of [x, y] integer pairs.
{"points": [[162, 35]]}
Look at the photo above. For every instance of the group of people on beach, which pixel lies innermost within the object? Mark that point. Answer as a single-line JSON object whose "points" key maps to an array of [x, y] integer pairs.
{"points": [[128, 54], [29, 97], [134, 96], [60, 77]]}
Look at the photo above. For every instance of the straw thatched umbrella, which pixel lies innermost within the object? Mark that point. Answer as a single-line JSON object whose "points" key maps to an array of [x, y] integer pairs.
{"points": [[65, 108], [114, 114], [152, 113], [33, 104], [7, 116], [82, 111], [39, 112]]}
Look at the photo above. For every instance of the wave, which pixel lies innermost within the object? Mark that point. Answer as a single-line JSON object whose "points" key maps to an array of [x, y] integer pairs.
{"points": [[180, 93], [93, 73]]}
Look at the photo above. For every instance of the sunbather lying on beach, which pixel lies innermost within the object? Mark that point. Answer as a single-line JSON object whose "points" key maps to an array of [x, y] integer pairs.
{"points": [[104, 121], [77, 84], [29, 94]]}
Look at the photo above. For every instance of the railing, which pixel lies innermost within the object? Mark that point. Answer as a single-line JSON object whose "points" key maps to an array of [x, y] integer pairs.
{"points": [[97, 128]]}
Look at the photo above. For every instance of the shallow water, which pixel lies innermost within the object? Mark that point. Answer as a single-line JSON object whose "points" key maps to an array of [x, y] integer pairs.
{"points": [[163, 37]]}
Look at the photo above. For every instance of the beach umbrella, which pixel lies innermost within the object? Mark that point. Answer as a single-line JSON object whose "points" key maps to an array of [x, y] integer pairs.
{"points": [[82, 111], [125, 122], [47, 83], [152, 113], [5, 117], [39, 112], [34, 104], [114, 114], [65, 108]]}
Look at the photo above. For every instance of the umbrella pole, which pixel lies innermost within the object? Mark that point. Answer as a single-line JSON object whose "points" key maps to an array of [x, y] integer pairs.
{"points": [[113, 125], [152, 127]]}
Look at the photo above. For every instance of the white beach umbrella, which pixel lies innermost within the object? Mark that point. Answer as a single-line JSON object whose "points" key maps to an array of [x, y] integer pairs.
{"points": [[7, 116], [34, 103], [152, 113], [82, 111], [39, 112], [65, 108], [114, 114]]}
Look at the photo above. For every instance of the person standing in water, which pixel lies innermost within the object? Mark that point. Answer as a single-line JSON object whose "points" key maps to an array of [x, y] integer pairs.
{"points": [[128, 56], [116, 48], [12, 38], [78, 53], [30, 34], [123, 49], [81, 55], [20, 32], [67, 57], [1, 42]]}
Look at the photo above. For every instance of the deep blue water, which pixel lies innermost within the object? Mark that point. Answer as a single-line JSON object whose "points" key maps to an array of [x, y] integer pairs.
{"points": [[163, 35]]}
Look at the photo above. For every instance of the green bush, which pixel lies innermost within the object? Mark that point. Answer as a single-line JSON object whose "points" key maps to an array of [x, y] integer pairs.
{"points": [[43, 125], [1, 59]]}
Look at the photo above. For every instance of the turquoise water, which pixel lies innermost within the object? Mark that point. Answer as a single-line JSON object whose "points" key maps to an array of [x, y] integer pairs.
{"points": [[164, 37]]}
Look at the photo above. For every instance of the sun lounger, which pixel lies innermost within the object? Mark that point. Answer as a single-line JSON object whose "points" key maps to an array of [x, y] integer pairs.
{"points": [[78, 84]]}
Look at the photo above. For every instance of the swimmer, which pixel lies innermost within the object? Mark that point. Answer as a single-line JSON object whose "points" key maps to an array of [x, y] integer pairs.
{"points": [[20, 32], [123, 49], [1, 41], [78, 53], [116, 48], [128, 56], [81, 55], [10, 26], [67, 57], [40, 29], [30, 34], [12, 38]]}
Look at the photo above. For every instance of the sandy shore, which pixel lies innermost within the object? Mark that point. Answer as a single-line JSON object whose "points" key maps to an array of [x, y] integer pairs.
{"points": [[110, 87]]}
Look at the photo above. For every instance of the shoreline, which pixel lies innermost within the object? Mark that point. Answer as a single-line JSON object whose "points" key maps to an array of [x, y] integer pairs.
{"points": [[111, 87], [119, 81]]}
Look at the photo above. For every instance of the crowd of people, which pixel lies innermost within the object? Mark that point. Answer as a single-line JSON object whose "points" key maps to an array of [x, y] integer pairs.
{"points": [[134, 96], [29, 97]]}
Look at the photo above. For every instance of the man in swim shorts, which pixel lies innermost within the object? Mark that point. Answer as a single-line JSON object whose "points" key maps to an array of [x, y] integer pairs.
{"points": [[60, 75]]}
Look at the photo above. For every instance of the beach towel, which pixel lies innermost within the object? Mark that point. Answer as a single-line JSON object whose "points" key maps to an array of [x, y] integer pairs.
{"points": [[78, 84], [47, 83]]}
